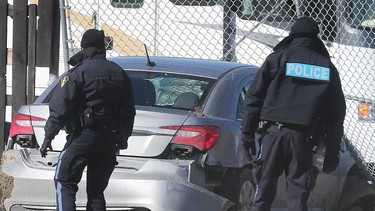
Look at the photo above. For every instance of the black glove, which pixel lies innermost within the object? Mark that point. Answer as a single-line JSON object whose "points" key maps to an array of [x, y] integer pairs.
{"points": [[249, 145], [121, 144], [330, 163], [46, 145]]}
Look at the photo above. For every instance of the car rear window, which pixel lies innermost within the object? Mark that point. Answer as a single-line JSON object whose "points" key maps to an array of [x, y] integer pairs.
{"points": [[169, 90], [160, 90]]}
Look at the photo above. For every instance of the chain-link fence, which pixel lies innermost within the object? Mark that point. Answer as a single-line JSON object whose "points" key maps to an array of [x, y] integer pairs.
{"points": [[245, 31]]}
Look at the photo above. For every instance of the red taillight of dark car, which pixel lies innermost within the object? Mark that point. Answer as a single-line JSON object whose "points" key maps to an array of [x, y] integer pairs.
{"points": [[200, 137], [21, 125]]}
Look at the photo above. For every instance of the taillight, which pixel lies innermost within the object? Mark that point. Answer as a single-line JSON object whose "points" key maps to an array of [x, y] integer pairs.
{"points": [[200, 137], [21, 125]]}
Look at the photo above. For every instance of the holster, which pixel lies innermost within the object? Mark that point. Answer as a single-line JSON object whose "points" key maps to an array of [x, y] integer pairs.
{"points": [[88, 118], [315, 134], [263, 126], [97, 118]]}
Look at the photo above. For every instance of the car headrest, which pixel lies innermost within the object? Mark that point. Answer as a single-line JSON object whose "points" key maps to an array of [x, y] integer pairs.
{"points": [[144, 92], [187, 100]]}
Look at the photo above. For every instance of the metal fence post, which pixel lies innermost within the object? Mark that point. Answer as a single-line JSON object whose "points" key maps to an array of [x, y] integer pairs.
{"points": [[64, 34], [229, 30]]}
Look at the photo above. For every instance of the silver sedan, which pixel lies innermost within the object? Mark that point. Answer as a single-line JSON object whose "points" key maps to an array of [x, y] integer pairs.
{"points": [[185, 152]]}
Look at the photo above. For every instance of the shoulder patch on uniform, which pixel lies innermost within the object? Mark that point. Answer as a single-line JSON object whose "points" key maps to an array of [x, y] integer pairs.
{"points": [[64, 80], [307, 71]]}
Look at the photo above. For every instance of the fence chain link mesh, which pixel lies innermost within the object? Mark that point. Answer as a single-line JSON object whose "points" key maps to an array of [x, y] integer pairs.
{"points": [[245, 31]]}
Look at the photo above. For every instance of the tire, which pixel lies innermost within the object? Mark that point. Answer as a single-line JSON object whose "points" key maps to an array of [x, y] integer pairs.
{"points": [[357, 195], [239, 187]]}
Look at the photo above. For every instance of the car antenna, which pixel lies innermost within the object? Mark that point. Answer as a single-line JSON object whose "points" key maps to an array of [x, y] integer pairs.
{"points": [[149, 63]]}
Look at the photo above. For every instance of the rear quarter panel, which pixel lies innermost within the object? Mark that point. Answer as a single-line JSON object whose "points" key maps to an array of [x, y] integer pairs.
{"points": [[220, 109]]}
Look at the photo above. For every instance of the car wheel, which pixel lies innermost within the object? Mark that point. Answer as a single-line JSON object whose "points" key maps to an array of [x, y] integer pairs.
{"points": [[358, 195], [239, 187]]}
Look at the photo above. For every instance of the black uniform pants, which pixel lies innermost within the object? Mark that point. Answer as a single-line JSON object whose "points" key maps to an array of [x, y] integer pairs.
{"points": [[283, 150], [90, 149]]}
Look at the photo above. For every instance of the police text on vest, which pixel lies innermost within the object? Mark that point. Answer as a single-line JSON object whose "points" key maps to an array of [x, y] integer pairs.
{"points": [[307, 71]]}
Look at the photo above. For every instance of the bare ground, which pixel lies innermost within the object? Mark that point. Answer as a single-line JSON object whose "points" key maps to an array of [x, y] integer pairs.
{"points": [[6, 182]]}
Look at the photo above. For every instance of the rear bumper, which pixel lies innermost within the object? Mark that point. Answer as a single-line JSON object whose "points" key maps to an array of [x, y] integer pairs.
{"points": [[157, 185]]}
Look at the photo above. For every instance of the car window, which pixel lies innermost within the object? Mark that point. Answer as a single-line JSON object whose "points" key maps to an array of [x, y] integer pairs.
{"points": [[241, 101], [160, 89], [46, 96], [169, 90]]}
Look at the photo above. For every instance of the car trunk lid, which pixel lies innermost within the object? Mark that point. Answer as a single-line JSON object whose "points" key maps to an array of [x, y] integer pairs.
{"points": [[148, 139]]}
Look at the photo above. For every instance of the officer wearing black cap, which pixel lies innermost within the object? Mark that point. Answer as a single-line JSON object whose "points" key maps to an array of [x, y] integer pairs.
{"points": [[94, 102], [297, 98]]}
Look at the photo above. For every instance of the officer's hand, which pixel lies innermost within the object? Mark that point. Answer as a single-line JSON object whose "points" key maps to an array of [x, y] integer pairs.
{"points": [[249, 145], [330, 163], [46, 145]]}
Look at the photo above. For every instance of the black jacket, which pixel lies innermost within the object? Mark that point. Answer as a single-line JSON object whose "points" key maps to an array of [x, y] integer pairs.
{"points": [[94, 83], [277, 96]]}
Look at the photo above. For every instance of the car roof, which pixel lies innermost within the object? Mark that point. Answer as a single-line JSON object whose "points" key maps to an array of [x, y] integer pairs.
{"points": [[190, 66]]}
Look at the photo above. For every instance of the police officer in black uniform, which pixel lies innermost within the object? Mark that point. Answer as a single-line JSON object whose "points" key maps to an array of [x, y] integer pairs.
{"points": [[94, 102], [297, 98]]}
